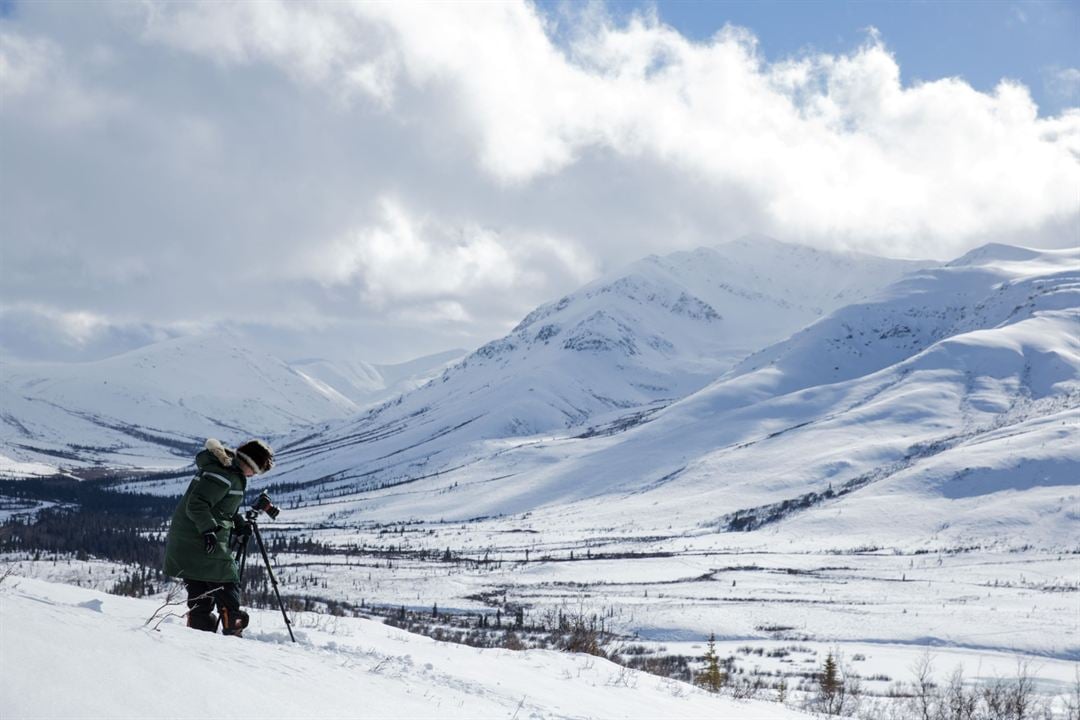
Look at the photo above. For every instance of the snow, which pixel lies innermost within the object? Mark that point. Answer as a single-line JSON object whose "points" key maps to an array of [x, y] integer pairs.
{"points": [[10, 467], [635, 340], [62, 646], [925, 432], [150, 407], [643, 336], [366, 384], [882, 458]]}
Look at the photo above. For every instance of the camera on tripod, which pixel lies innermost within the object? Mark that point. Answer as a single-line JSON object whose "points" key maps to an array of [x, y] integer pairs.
{"points": [[264, 504]]}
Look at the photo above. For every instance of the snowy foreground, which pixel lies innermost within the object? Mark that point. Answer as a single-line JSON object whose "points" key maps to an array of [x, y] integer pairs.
{"points": [[895, 479], [62, 645]]}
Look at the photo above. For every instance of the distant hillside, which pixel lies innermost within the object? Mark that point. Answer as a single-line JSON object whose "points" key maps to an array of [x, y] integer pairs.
{"points": [[367, 384], [149, 408], [633, 341], [946, 408]]}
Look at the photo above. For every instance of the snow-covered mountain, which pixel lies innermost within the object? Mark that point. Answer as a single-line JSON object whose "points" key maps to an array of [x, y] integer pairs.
{"points": [[990, 287], [948, 406], [369, 384], [149, 407], [640, 338], [635, 340]]}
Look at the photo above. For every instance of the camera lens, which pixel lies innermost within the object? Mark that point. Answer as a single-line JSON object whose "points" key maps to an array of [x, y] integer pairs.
{"points": [[264, 504]]}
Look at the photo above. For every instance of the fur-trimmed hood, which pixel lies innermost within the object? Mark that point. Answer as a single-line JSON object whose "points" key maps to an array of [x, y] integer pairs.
{"points": [[223, 454], [254, 454]]}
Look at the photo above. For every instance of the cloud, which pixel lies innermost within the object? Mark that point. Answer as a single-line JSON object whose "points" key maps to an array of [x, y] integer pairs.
{"points": [[835, 148], [397, 178], [1063, 83], [403, 260], [25, 62], [30, 333], [36, 77]]}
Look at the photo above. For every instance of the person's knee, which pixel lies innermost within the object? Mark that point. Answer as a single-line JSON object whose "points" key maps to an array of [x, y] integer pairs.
{"points": [[200, 597]]}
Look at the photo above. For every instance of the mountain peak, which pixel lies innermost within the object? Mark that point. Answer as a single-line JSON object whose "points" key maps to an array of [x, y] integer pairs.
{"points": [[996, 252]]}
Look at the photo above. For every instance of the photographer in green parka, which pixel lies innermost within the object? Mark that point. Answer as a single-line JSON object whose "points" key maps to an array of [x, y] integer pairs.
{"points": [[197, 548]]}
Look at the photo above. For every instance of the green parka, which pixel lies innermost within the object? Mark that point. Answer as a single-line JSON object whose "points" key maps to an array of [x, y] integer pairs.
{"points": [[212, 502]]}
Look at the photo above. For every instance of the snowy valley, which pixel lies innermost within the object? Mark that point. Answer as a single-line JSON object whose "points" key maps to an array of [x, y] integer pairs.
{"points": [[800, 452]]}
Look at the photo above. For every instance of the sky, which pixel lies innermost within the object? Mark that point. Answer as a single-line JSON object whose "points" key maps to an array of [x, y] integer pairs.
{"points": [[1033, 42], [380, 181]]}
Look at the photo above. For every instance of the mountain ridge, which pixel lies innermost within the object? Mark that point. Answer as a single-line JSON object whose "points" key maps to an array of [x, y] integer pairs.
{"points": [[751, 452]]}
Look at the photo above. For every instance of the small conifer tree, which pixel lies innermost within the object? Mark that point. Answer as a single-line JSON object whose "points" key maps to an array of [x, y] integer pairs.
{"points": [[830, 694], [712, 678]]}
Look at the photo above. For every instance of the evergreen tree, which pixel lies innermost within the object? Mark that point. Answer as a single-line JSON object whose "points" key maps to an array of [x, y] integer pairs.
{"points": [[830, 697], [829, 680], [712, 678]]}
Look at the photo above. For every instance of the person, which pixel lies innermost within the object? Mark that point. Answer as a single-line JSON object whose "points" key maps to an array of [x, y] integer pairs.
{"points": [[196, 549]]}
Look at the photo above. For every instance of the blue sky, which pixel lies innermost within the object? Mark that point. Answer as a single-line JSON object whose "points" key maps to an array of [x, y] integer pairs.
{"points": [[982, 42]]}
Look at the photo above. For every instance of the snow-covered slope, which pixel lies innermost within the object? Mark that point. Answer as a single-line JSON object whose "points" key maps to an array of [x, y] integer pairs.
{"points": [[150, 406], [74, 653], [945, 409], [993, 286], [636, 340], [371, 383]]}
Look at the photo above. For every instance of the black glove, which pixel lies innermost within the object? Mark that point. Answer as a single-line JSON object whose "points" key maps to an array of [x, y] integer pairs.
{"points": [[210, 537], [241, 533], [241, 527]]}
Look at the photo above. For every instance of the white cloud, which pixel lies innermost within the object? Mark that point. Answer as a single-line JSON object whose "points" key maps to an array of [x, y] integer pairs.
{"points": [[417, 176], [30, 331], [25, 63], [834, 147], [1064, 83], [406, 260], [35, 74]]}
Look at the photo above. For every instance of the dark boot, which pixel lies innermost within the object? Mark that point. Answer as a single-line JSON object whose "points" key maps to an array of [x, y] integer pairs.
{"points": [[206, 621], [233, 622]]}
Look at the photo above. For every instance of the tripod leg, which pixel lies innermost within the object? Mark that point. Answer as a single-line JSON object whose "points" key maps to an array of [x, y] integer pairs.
{"points": [[241, 559], [273, 580]]}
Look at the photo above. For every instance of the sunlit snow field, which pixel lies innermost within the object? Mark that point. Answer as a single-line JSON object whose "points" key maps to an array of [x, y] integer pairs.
{"points": [[339, 668]]}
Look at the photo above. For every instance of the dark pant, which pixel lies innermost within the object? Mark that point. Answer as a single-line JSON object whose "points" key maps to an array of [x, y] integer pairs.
{"points": [[204, 596]]}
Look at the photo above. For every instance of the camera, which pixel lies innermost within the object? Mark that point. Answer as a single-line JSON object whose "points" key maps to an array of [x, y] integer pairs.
{"points": [[264, 504]]}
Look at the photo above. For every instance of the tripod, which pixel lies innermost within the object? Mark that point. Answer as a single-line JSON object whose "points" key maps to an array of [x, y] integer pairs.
{"points": [[241, 559]]}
